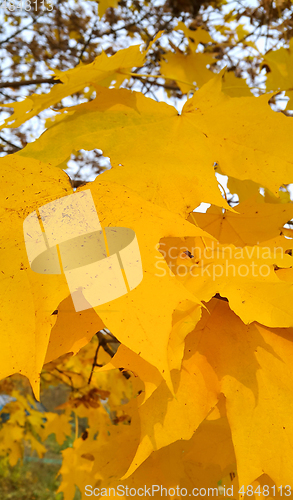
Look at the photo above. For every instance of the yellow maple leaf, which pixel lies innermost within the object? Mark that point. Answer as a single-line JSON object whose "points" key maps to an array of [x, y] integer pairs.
{"points": [[72, 330], [198, 462], [105, 4], [162, 294], [193, 36], [246, 276], [243, 188], [35, 444], [165, 420], [10, 438], [209, 130], [128, 360], [73, 461], [58, 425], [27, 299], [120, 113], [38, 295], [102, 70], [280, 76], [185, 317], [189, 71], [254, 366], [235, 86], [252, 222]]}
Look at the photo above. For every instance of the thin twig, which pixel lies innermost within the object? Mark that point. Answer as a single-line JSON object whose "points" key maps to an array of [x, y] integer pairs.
{"points": [[20, 30], [94, 363], [10, 143], [86, 44], [24, 83]]}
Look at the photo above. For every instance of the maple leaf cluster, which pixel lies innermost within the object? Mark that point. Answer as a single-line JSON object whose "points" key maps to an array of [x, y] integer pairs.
{"points": [[189, 380]]}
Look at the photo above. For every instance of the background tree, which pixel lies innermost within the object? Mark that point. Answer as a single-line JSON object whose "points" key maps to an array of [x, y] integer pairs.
{"points": [[61, 35]]}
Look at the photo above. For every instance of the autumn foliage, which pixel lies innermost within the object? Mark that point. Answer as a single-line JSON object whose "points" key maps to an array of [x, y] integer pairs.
{"points": [[187, 379]]}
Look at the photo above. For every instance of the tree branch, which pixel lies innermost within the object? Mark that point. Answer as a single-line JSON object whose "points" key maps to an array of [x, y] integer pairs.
{"points": [[17, 148], [23, 83], [20, 30], [156, 84]]}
